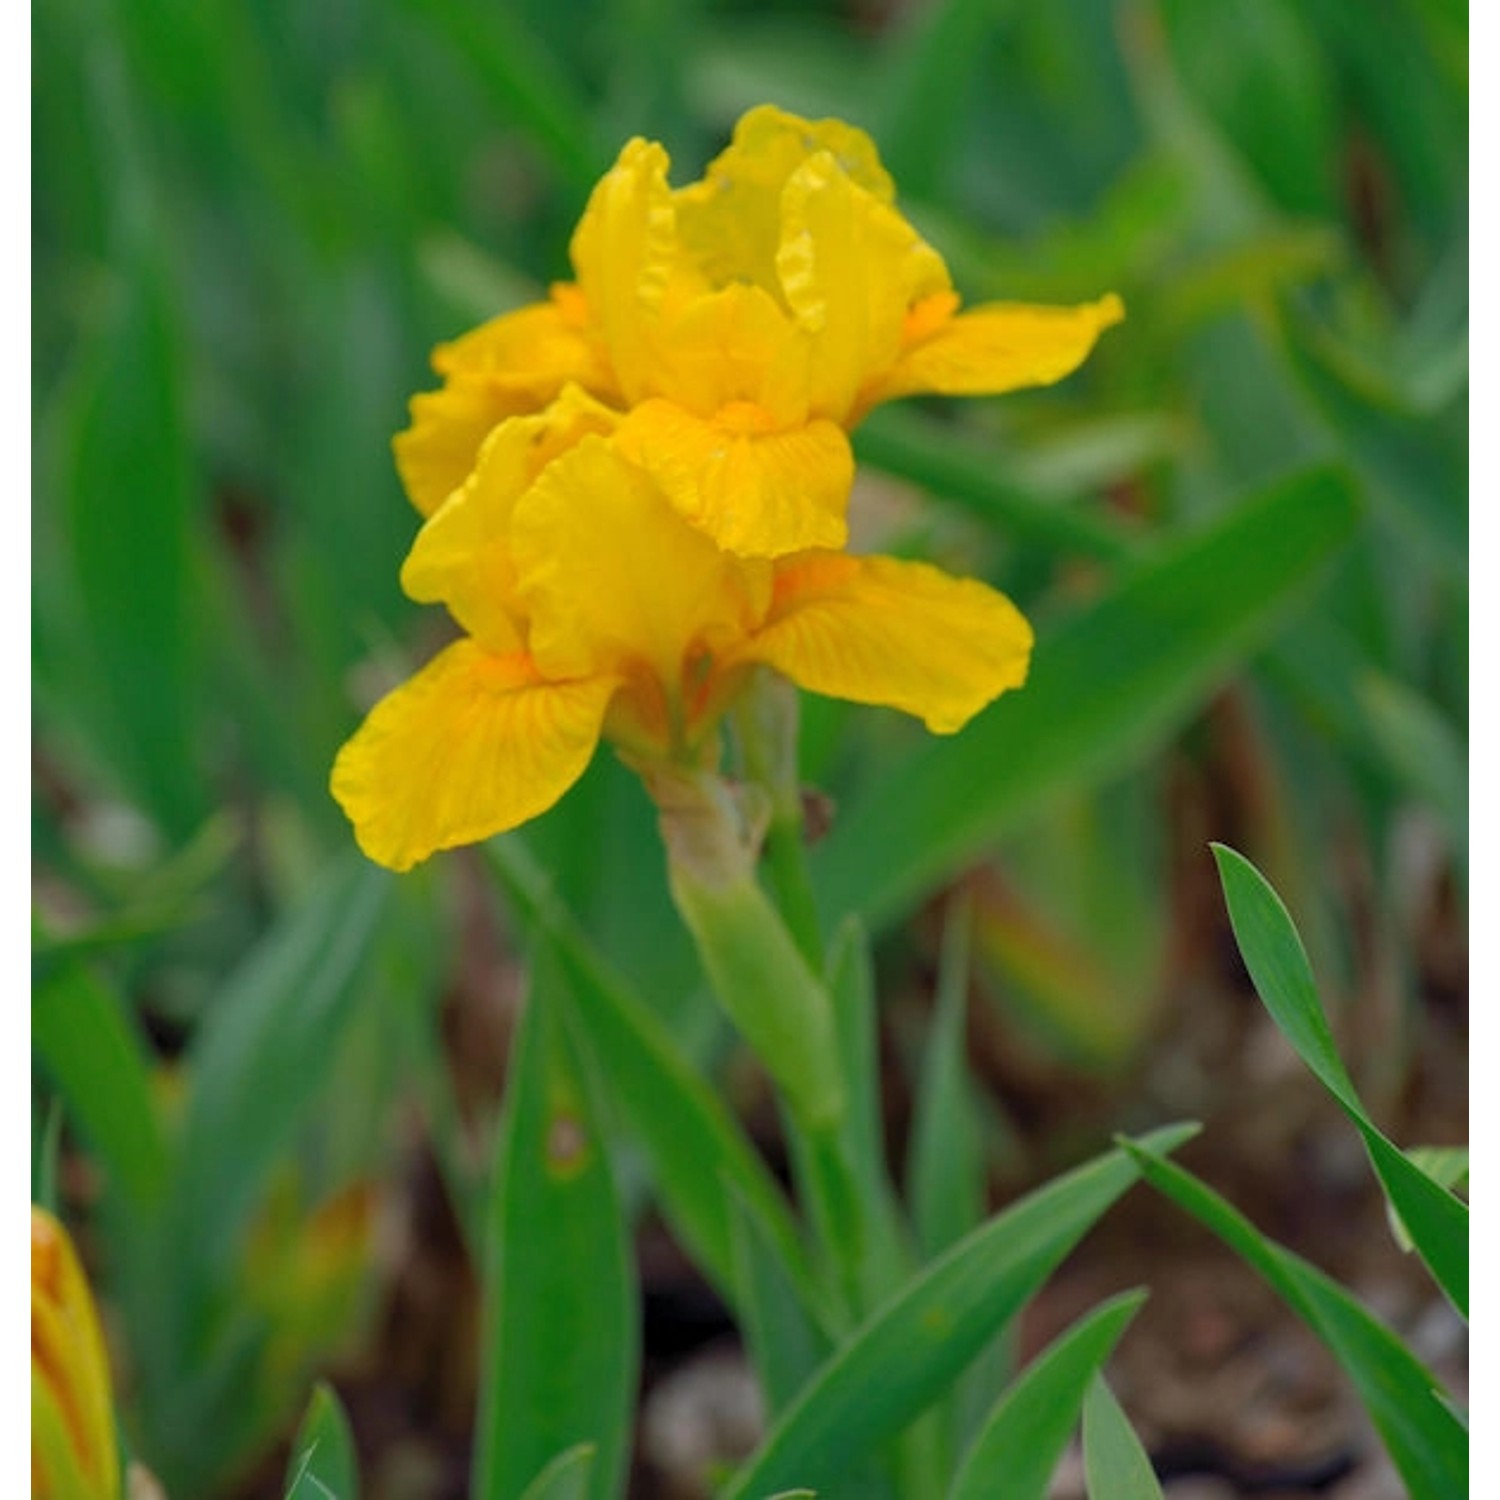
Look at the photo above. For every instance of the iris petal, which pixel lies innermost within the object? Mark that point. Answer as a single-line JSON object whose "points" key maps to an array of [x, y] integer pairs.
{"points": [[461, 557], [850, 267], [998, 347], [614, 579], [756, 491], [474, 744], [512, 365], [900, 634]]}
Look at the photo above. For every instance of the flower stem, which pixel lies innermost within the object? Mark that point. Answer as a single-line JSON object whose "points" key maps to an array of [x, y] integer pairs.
{"points": [[760, 974], [766, 723]]}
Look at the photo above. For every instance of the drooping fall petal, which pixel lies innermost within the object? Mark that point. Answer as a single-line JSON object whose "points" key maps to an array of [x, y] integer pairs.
{"points": [[755, 491], [474, 744], [900, 634]]}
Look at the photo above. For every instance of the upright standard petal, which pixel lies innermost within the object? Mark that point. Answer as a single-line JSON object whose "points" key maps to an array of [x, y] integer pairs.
{"points": [[461, 557], [735, 345], [730, 221], [614, 579], [756, 491], [899, 634], [850, 268], [631, 267], [993, 348], [472, 745]]}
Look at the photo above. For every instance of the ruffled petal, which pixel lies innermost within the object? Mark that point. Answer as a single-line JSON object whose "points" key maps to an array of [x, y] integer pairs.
{"points": [[614, 580], [900, 634], [472, 745], [631, 268], [537, 348], [850, 266], [437, 452], [769, 144], [731, 221], [512, 365], [997, 347], [734, 345], [756, 491], [461, 557]]}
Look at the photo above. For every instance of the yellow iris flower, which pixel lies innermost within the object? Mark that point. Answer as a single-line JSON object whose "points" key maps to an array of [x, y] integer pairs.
{"points": [[594, 608], [73, 1453], [744, 324]]}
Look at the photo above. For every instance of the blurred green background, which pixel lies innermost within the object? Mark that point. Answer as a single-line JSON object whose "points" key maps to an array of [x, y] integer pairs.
{"points": [[1241, 530]]}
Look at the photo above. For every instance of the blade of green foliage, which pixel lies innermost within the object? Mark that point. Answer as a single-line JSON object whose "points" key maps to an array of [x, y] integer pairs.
{"points": [[132, 928], [851, 983], [655, 39], [878, 1259], [1427, 1443], [214, 70], [1119, 243], [910, 1350], [349, 517], [322, 1465], [566, 1477], [560, 1342], [694, 1143], [527, 83], [92, 1050], [1415, 481], [46, 1142], [784, 1336], [1424, 749], [1437, 1221], [1024, 1436], [601, 849], [1448, 1166], [1431, 369], [1106, 686], [1114, 1462], [959, 469], [852, 1202], [1254, 268], [128, 494], [935, 61], [945, 1174], [266, 1044], [1414, 111], [1257, 70], [1398, 731], [159, 899], [1225, 202]]}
